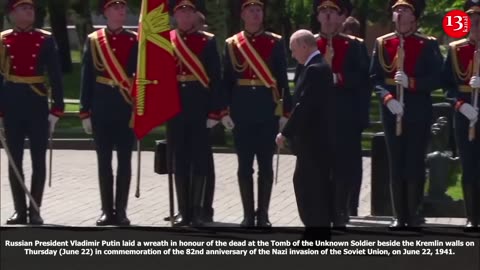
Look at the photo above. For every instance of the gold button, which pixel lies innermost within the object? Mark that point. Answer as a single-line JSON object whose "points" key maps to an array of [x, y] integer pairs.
{"points": [[184, 85], [34, 55], [184, 73], [14, 34], [114, 49], [31, 68], [114, 38], [11, 56], [254, 76], [38, 45], [253, 88], [253, 40], [14, 67], [131, 39]]}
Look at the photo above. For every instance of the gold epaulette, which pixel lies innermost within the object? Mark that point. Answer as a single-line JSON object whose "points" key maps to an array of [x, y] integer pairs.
{"points": [[462, 75], [6, 32], [420, 35], [4, 59], [456, 43], [381, 58], [381, 39], [44, 32], [93, 34], [97, 60], [230, 40], [236, 65], [350, 37], [207, 34], [131, 32], [275, 36]]}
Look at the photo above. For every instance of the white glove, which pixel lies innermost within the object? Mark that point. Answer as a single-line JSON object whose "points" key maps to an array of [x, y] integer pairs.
{"points": [[475, 82], [469, 112], [227, 122], [52, 121], [282, 122], [395, 107], [211, 123], [280, 140], [335, 79], [401, 78], [87, 125]]}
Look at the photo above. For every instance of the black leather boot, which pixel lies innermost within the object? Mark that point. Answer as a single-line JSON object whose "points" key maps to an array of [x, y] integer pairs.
{"points": [[264, 195], [208, 210], [183, 197], [18, 218], [414, 201], [34, 216], [106, 196], [340, 215], [470, 207], [397, 188], [198, 195], [19, 201], [121, 200], [246, 193]]}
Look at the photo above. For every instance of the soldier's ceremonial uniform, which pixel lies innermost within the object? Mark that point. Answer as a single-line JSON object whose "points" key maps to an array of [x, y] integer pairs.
{"points": [[406, 153], [255, 82], [199, 79], [457, 73], [349, 61], [108, 66], [25, 56]]}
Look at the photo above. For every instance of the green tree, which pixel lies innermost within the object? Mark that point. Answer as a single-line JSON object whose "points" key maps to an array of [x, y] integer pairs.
{"points": [[57, 12]]}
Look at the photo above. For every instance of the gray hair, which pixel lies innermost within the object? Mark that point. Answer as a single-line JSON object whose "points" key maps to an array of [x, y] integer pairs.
{"points": [[305, 37]]}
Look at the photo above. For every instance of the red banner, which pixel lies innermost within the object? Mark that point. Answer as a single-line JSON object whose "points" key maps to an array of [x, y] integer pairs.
{"points": [[155, 90]]}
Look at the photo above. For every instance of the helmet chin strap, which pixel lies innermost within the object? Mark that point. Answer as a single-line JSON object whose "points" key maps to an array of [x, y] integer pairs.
{"points": [[410, 31]]}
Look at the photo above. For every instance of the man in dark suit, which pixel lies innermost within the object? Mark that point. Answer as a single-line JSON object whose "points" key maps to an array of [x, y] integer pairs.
{"points": [[310, 130]]}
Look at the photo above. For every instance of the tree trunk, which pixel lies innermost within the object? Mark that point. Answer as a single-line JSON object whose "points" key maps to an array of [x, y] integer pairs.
{"points": [[83, 21], [57, 10], [216, 11], [2, 19], [40, 13], [235, 22]]}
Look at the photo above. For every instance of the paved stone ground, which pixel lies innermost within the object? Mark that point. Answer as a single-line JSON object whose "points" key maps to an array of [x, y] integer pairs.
{"points": [[74, 200]]}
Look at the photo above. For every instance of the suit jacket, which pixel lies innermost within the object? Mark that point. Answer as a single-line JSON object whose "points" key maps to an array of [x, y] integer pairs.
{"points": [[312, 123]]}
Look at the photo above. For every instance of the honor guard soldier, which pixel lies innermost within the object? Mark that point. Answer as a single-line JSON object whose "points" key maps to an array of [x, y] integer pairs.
{"points": [[25, 54], [259, 102], [405, 69], [108, 66], [199, 79], [349, 61], [462, 83]]}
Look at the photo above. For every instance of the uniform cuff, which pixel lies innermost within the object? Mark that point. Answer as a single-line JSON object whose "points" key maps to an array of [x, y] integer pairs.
{"points": [[412, 84], [340, 79], [459, 104], [218, 115], [57, 112], [387, 98], [84, 115]]}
